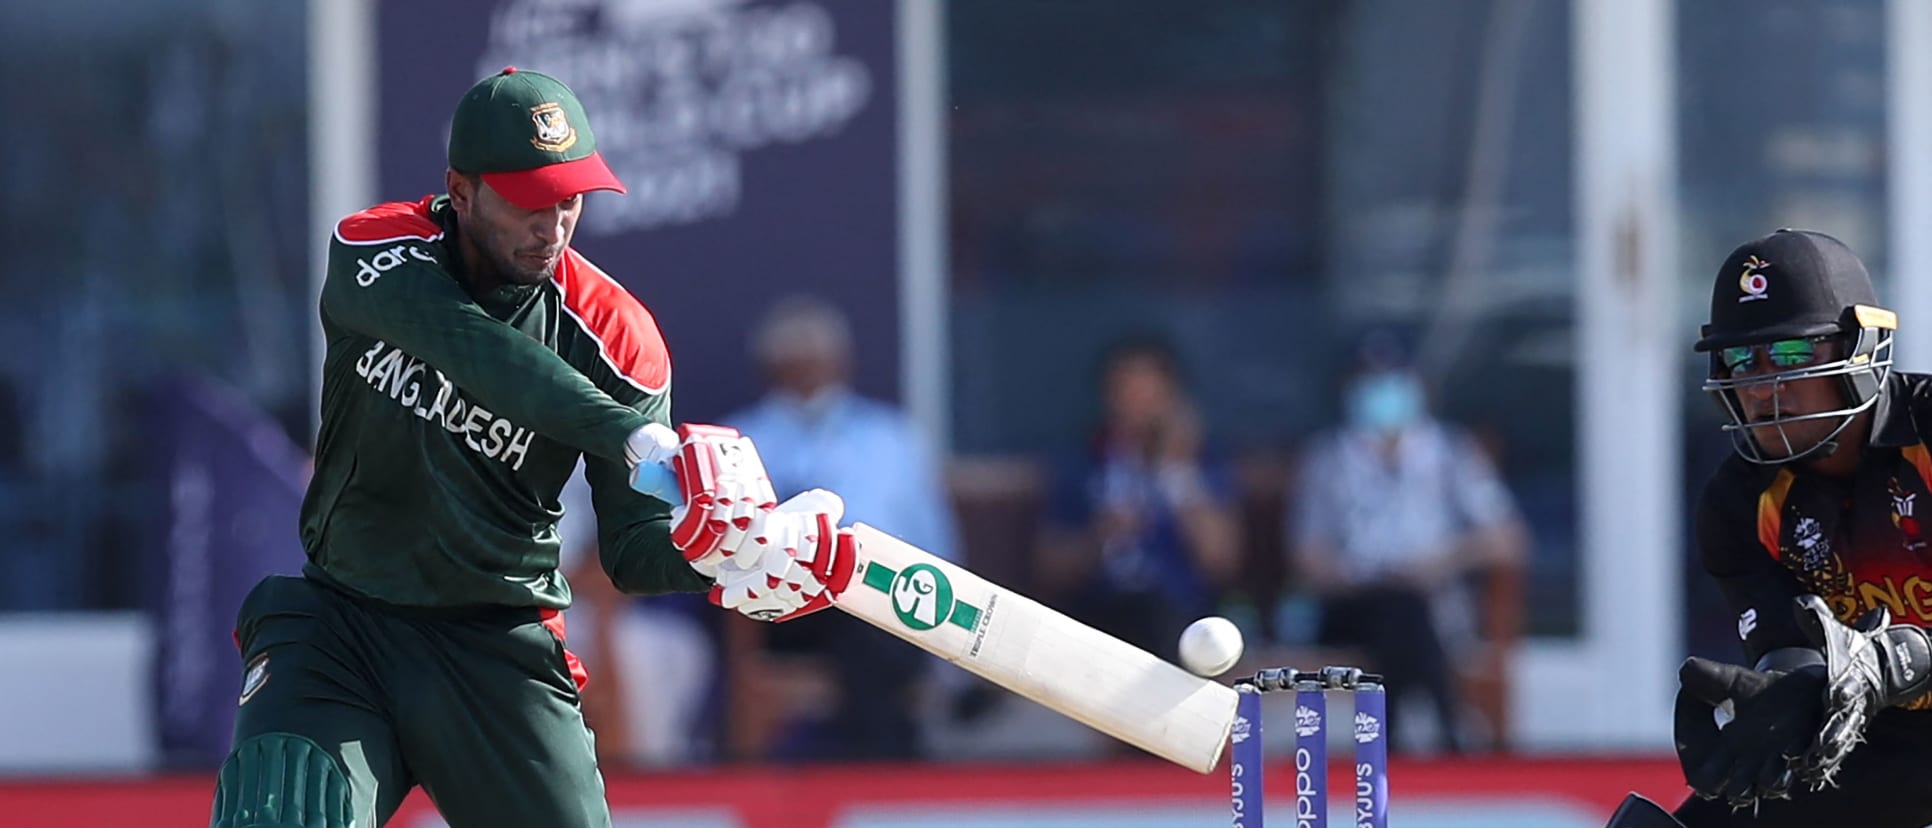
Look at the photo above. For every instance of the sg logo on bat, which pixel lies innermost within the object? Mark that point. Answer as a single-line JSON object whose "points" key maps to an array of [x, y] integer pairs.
{"points": [[922, 596]]}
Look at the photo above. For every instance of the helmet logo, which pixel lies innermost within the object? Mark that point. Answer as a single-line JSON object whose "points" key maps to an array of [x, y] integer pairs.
{"points": [[554, 133], [1752, 282]]}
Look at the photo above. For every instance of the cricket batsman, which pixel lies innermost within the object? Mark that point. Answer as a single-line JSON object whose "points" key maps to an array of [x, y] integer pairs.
{"points": [[1812, 533], [472, 358]]}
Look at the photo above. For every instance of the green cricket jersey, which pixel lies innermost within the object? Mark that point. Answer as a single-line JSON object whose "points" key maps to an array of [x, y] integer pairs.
{"points": [[451, 422]]}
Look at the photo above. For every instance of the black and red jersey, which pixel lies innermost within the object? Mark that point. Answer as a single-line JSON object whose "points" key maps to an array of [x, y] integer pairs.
{"points": [[1771, 533]]}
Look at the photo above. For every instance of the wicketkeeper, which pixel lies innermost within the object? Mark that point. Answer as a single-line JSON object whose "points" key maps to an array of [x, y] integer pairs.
{"points": [[1812, 533]]}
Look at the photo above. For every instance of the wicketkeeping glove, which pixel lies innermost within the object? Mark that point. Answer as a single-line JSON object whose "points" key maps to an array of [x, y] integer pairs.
{"points": [[1870, 666], [1795, 728], [1745, 753]]}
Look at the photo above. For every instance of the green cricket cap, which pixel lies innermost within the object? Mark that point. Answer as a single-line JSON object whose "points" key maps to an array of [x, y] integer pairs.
{"points": [[526, 134]]}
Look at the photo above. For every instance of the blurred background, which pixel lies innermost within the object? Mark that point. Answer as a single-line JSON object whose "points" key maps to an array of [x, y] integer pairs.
{"points": [[1365, 323]]}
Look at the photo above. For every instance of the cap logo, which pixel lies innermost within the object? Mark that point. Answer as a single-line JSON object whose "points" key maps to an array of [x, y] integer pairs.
{"points": [[1752, 282], [554, 132]]}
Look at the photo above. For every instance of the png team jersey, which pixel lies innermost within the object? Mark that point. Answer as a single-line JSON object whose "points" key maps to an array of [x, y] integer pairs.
{"points": [[1771, 533], [451, 422]]}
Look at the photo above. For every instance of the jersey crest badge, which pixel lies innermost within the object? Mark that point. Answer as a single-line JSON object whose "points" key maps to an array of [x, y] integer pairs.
{"points": [[1904, 504], [554, 132]]}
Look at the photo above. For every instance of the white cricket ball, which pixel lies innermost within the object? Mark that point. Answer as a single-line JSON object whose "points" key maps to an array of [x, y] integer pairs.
{"points": [[1210, 646]]}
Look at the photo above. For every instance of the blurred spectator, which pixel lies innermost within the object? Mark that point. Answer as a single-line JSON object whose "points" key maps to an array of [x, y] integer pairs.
{"points": [[1142, 534], [653, 661], [813, 431], [1394, 508]]}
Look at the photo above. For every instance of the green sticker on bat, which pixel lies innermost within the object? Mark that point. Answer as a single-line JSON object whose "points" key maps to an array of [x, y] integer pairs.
{"points": [[922, 596]]}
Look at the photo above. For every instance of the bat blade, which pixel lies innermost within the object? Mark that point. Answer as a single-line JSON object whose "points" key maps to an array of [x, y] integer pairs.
{"points": [[1030, 649]]}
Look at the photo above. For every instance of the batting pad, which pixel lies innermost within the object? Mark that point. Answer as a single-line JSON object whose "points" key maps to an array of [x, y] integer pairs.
{"points": [[281, 780]]}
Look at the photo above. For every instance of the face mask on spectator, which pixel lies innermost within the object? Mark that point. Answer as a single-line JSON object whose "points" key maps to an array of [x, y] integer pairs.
{"points": [[1385, 402]]}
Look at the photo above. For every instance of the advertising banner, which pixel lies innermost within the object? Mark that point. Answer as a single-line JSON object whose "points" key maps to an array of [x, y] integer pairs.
{"points": [[758, 140], [1539, 792], [234, 491]]}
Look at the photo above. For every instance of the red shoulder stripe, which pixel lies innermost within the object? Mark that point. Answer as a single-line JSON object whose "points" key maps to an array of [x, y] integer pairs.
{"points": [[383, 223], [626, 334]]}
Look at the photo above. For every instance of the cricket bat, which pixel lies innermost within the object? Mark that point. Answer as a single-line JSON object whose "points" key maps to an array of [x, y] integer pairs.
{"points": [[995, 633], [1023, 646]]}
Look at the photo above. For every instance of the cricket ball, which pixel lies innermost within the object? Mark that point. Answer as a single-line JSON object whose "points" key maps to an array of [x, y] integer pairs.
{"points": [[1210, 646]]}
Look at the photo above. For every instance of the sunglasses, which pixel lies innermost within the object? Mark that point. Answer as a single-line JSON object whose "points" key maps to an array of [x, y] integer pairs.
{"points": [[1784, 353]]}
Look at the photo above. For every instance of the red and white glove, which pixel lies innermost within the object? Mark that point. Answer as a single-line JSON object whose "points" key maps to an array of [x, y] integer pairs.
{"points": [[769, 561], [802, 561]]}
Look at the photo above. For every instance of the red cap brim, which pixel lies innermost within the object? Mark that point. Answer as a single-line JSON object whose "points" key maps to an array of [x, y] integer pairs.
{"points": [[549, 184]]}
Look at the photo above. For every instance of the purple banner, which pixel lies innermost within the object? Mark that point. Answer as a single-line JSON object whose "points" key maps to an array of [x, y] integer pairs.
{"points": [[758, 140], [234, 490]]}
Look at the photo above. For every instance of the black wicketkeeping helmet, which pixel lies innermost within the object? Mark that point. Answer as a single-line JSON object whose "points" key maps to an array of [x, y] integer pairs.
{"points": [[1797, 285]]}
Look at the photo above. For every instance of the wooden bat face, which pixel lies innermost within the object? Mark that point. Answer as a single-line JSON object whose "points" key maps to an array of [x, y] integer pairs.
{"points": [[1032, 650]]}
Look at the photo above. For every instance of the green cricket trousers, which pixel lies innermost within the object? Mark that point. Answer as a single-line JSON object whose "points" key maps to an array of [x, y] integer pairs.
{"points": [[346, 704]]}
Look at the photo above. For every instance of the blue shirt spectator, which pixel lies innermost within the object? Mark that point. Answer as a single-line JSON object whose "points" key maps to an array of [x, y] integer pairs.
{"points": [[1152, 555], [1143, 534], [1393, 511], [866, 451], [813, 431]]}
